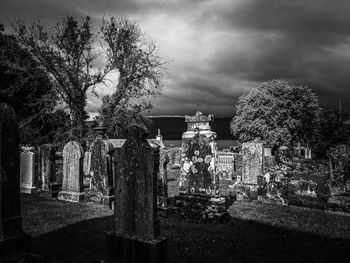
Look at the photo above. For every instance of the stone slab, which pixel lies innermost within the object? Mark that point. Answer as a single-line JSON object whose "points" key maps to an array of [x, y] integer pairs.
{"points": [[124, 248], [71, 196]]}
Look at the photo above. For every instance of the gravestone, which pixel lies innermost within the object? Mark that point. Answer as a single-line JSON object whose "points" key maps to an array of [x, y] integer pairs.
{"points": [[13, 242], [252, 162], [46, 165], [87, 163], [27, 174], [101, 172], [198, 166], [136, 237], [72, 186]]}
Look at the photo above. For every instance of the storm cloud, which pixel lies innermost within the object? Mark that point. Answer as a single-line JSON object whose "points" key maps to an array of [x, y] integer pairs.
{"points": [[219, 50]]}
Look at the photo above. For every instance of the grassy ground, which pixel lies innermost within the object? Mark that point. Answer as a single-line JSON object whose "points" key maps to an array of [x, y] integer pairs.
{"points": [[255, 233]]}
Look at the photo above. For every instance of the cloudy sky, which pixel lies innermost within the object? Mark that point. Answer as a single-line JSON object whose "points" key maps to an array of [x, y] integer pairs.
{"points": [[219, 50]]}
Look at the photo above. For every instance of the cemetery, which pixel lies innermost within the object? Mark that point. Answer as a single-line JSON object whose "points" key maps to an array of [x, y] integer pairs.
{"points": [[230, 145], [122, 188]]}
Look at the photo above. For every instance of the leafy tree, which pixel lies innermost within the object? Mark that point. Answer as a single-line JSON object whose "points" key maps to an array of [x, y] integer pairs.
{"points": [[66, 54], [331, 131], [140, 71], [277, 112], [28, 86]]}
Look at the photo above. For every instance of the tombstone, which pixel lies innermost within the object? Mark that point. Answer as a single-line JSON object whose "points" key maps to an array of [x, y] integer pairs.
{"points": [[13, 242], [198, 168], [252, 162], [162, 184], [87, 163], [101, 172], [72, 185], [267, 152], [46, 165], [27, 173], [136, 237]]}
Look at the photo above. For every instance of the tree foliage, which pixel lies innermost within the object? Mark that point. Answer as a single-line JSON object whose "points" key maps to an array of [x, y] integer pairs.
{"points": [[65, 52], [140, 71], [277, 112], [29, 88]]}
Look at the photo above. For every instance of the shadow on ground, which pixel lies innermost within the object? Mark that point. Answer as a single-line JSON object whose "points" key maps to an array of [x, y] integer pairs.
{"points": [[234, 241]]}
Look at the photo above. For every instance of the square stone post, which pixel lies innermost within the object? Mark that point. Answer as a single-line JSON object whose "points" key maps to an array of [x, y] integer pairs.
{"points": [[136, 237]]}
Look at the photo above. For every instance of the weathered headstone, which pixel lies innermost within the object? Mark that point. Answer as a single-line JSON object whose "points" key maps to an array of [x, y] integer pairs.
{"points": [[252, 162], [27, 174], [87, 163], [162, 184], [198, 167], [101, 172], [46, 165], [72, 186], [136, 237], [13, 241]]}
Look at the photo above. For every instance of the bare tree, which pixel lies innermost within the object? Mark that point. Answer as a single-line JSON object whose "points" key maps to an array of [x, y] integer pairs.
{"points": [[140, 70], [66, 53]]}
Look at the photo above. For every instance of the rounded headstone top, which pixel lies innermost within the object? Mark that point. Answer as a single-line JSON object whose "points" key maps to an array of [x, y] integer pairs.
{"points": [[27, 148], [72, 145]]}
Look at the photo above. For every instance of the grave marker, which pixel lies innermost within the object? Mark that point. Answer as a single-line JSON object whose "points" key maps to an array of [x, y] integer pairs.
{"points": [[136, 237], [13, 242], [72, 186], [27, 173]]}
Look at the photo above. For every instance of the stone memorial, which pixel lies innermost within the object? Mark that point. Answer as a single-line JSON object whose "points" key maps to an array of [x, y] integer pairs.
{"points": [[101, 172], [72, 186], [27, 173], [252, 162], [13, 242], [136, 237], [46, 165]]}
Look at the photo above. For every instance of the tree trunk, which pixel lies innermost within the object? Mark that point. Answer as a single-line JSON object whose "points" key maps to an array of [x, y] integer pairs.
{"points": [[78, 115]]}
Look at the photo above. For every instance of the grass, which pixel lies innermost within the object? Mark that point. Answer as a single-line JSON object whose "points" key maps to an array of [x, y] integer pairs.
{"points": [[255, 232]]}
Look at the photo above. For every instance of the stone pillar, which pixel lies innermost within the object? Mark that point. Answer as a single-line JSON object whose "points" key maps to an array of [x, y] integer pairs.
{"points": [[13, 242], [46, 165], [72, 186], [27, 174], [101, 151], [136, 237], [163, 178]]}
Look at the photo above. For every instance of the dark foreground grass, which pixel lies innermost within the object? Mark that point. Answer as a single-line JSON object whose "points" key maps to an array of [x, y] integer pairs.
{"points": [[254, 233]]}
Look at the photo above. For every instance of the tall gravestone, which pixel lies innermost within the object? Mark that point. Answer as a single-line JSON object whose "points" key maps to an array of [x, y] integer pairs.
{"points": [[13, 241], [46, 165], [252, 162], [101, 172], [136, 237], [252, 166], [72, 185], [27, 173]]}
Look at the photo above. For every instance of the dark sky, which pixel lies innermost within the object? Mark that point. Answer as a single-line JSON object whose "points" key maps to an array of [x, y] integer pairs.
{"points": [[219, 50]]}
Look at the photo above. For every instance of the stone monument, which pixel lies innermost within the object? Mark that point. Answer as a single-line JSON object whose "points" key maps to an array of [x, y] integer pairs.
{"points": [[199, 150], [252, 165], [72, 186], [13, 242], [101, 172], [27, 173], [136, 237], [46, 165]]}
